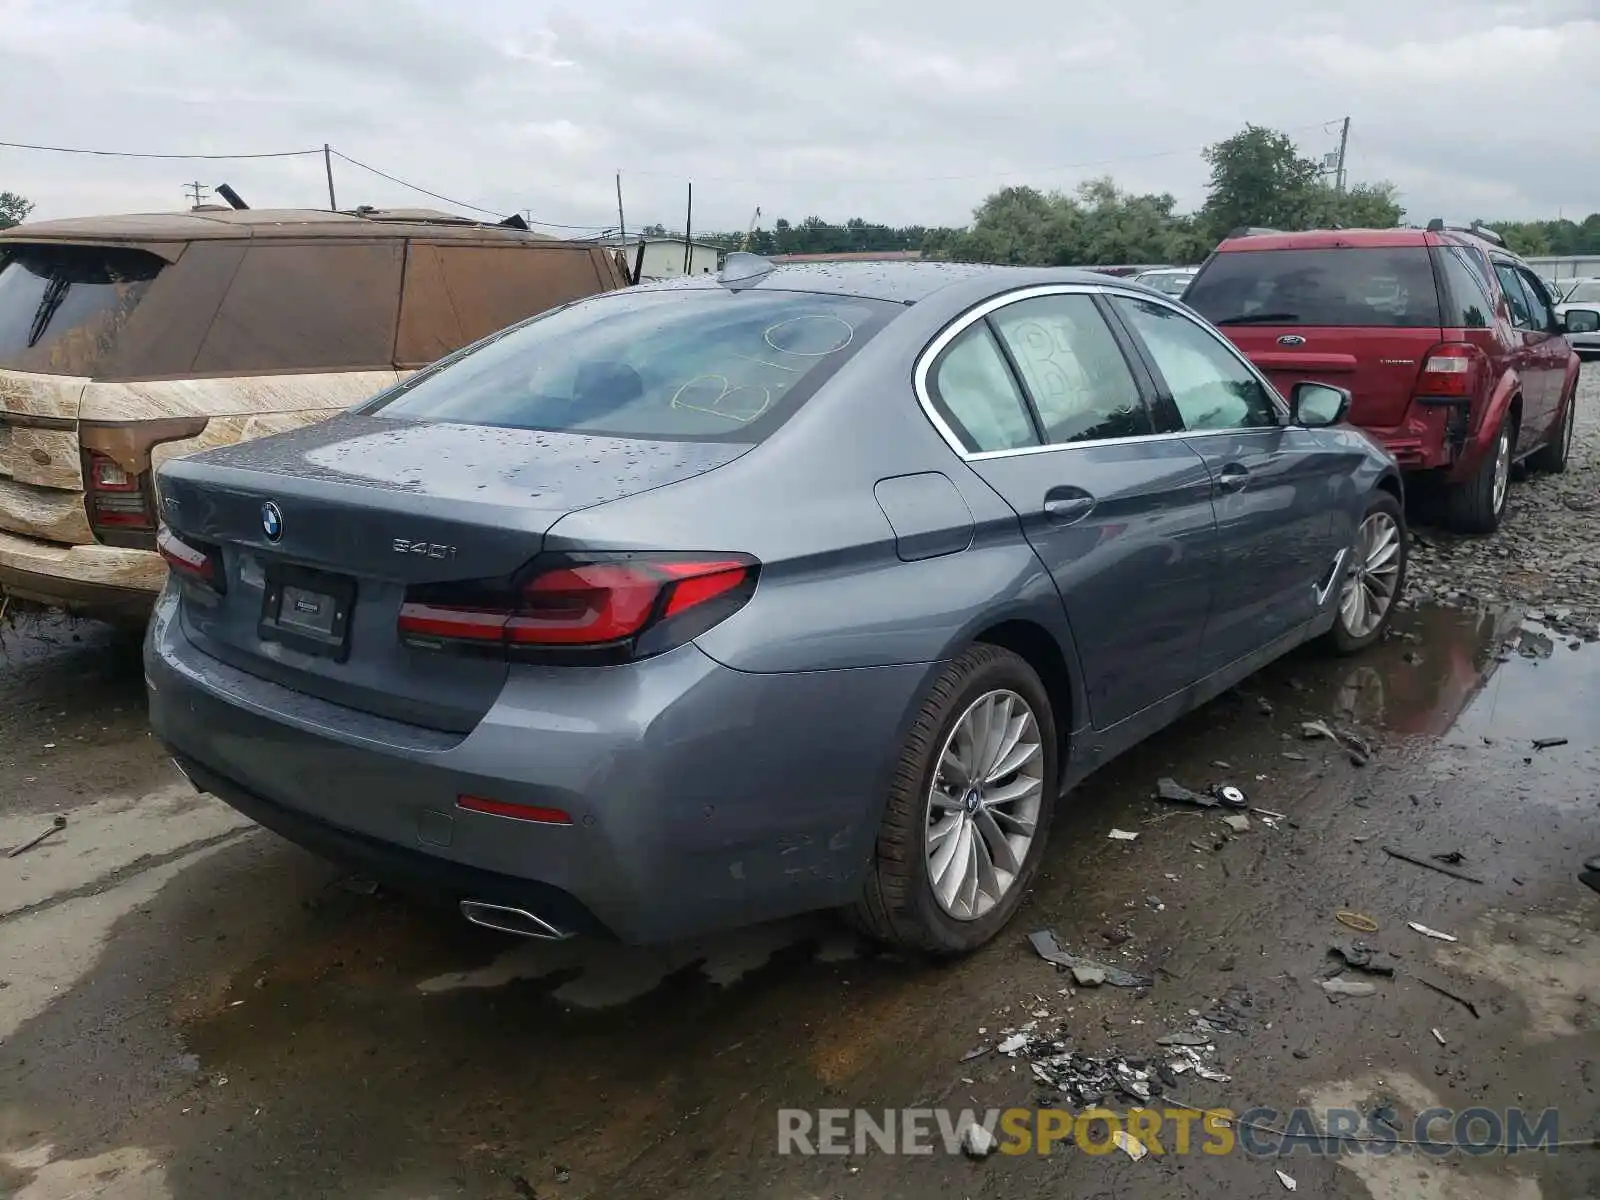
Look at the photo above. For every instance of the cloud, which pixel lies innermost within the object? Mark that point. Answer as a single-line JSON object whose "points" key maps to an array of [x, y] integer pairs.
{"points": [[904, 111]]}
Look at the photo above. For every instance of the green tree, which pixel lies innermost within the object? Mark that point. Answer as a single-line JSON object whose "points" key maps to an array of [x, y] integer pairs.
{"points": [[14, 209], [1259, 178]]}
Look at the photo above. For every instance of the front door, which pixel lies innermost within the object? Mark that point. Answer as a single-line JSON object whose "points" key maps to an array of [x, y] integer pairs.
{"points": [[1040, 392], [1549, 354], [1275, 489]]}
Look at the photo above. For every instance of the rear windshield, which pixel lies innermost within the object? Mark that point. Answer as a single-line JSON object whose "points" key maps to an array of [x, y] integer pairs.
{"points": [[1385, 287], [61, 307], [701, 364]]}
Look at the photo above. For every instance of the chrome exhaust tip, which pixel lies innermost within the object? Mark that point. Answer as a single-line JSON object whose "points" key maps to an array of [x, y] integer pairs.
{"points": [[511, 920]]}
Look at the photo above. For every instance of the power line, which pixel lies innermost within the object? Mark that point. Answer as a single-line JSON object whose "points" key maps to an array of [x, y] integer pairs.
{"points": [[1080, 166], [132, 154], [448, 200]]}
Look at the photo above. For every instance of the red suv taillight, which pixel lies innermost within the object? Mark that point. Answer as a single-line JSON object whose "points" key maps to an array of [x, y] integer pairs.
{"points": [[193, 561], [610, 608], [120, 509], [1450, 370]]}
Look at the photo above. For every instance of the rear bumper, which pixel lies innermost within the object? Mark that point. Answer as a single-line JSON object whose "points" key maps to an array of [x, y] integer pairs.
{"points": [[94, 580], [1422, 442], [701, 797]]}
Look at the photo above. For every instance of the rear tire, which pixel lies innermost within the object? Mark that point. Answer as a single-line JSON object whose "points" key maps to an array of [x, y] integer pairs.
{"points": [[898, 904], [1382, 551], [1552, 456], [1479, 504]]}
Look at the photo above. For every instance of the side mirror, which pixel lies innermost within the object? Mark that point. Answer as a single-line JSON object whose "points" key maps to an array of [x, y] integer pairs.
{"points": [[1581, 320], [1317, 405]]}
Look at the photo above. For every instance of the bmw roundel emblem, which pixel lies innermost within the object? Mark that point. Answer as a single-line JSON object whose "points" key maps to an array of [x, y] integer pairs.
{"points": [[271, 521]]}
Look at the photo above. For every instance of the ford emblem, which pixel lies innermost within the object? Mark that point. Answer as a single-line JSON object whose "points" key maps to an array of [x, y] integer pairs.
{"points": [[271, 521], [1291, 339]]}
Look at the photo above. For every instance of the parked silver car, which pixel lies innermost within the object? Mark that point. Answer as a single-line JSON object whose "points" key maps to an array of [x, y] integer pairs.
{"points": [[1169, 281], [1578, 310], [703, 603]]}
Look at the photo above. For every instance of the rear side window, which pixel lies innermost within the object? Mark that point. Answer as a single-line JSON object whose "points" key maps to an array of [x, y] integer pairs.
{"points": [[700, 364], [1470, 306], [1073, 369], [1388, 287], [1516, 298], [62, 307], [327, 306], [975, 393]]}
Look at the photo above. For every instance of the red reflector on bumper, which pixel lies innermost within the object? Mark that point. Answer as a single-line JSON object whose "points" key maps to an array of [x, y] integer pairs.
{"points": [[517, 812]]}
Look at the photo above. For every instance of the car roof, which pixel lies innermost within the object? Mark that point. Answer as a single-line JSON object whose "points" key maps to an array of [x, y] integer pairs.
{"points": [[1338, 239], [900, 282], [207, 224]]}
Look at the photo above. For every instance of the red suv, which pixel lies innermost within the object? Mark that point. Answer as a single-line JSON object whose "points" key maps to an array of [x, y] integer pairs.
{"points": [[1448, 343]]}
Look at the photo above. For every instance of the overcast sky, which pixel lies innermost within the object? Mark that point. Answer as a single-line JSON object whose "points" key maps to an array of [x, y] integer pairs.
{"points": [[900, 111]]}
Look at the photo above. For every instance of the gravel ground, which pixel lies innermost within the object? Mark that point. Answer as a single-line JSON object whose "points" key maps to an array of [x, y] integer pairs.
{"points": [[1546, 556]]}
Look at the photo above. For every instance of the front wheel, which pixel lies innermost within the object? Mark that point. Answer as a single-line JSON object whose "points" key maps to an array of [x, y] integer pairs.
{"points": [[968, 810], [1375, 578], [1478, 505]]}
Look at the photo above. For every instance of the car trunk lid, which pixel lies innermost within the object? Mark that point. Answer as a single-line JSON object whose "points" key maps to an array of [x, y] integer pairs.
{"points": [[1377, 366], [319, 533]]}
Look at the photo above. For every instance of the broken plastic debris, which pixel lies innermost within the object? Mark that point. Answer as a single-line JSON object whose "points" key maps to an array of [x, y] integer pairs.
{"points": [[1013, 1043], [1174, 792], [1340, 986], [1186, 1038], [1237, 822], [1215, 1076], [1122, 835], [1048, 948], [1287, 1181], [1433, 933], [1088, 975], [1130, 1145], [1311, 730]]}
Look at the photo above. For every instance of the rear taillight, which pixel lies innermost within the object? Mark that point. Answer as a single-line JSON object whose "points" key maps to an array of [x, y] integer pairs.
{"points": [[1449, 370], [610, 608], [120, 509], [191, 561]]}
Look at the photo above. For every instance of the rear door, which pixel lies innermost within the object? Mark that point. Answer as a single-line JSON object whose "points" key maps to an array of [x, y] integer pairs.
{"points": [[1276, 488], [1528, 351], [1360, 317], [1550, 353], [1039, 393]]}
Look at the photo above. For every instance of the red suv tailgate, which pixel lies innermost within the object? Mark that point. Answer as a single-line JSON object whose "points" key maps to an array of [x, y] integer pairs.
{"points": [[1363, 318]]}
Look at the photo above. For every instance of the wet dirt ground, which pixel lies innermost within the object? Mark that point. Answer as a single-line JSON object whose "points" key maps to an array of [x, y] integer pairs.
{"points": [[193, 1008]]}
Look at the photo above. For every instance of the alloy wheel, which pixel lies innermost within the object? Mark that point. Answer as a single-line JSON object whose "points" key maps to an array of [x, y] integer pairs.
{"points": [[1369, 589], [1502, 469], [983, 804]]}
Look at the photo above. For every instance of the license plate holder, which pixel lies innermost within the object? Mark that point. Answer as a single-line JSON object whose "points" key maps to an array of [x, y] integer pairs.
{"points": [[308, 610]]}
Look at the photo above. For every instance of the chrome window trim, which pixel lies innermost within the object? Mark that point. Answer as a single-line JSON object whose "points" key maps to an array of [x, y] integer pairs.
{"points": [[930, 354]]}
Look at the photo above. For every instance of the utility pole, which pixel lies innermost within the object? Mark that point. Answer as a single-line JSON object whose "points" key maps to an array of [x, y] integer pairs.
{"points": [[1344, 142], [688, 222], [622, 226], [196, 191], [327, 165]]}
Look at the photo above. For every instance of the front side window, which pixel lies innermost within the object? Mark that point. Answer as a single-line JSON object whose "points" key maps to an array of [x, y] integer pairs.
{"points": [[693, 364], [1539, 310], [1074, 370], [974, 391], [1210, 386]]}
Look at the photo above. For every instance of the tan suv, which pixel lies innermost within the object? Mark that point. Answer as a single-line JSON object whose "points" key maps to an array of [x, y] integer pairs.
{"points": [[126, 340]]}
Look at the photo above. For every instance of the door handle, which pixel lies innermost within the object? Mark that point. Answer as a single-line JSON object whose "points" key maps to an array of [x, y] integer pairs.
{"points": [[1068, 505], [1232, 478]]}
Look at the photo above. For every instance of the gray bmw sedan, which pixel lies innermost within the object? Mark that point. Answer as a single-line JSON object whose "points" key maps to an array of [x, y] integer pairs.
{"points": [[703, 603]]}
